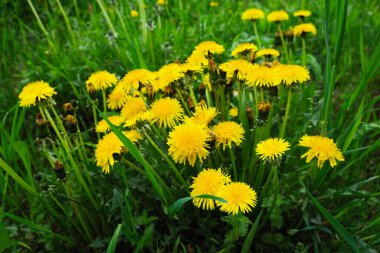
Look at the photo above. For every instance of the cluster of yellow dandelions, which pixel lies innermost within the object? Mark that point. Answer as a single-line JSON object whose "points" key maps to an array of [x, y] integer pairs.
{"points": [[238, 196], [280, 16]]}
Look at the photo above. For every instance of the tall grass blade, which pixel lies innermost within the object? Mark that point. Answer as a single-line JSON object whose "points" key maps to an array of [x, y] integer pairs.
{"points": [[112, 245]]}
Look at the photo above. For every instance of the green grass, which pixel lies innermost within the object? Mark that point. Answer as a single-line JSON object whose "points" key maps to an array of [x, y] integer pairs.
{"points": [[131, 209]]}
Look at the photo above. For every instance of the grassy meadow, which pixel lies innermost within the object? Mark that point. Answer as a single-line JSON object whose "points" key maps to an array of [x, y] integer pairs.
{"points": [[189, 126]]}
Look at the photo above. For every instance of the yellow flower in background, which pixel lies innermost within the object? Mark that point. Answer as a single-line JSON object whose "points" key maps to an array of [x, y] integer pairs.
{"points": [[214, 4], [103, 127], [35, 92], [233, 112], [322, 148], [134, 14], [272, 148], [292, 74], [264, 106], [240, 67], [166, 75], [166, 112], [240, 197], [133, 79], [211, 47], [277, 16], [198, 58], [100, 80], [252, 14], [117, 98], [133, 111], [111, 145], [203, 115], [263, 76], [228, 132], [191, 67], [187, 142], [208, 181], [244, 49], [268, 52], [302, 13], [302, 29], [162, 2]]}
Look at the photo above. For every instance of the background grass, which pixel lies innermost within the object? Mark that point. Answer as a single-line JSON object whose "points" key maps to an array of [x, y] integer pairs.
{"points": [[63, 42]]}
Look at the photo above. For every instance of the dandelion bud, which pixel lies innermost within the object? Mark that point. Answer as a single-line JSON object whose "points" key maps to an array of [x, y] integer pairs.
{"points": [[68, 107], [59, 170], [70, 120]]}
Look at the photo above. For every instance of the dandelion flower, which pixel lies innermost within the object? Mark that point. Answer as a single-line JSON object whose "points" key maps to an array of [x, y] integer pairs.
{"points": [[302, 29], [263, 76], [208, 181], [322, 148], [35, 92], [100, 81], [264, 106], [233, 112], [228, 132], [209, 47], [252, 14], [292, 74], [214, 4], [162, 2], [134, 14], [203, 115], [240, 67], [267, 52], [277, 16], [133, 111], [272, 148], [166, 75], [197, 58], [302, 13], [166, 111], [191, 67], [117, 98], [132, 80], [103, 127], [188, 142], [244, 49], [240, 197], [111, 145]]}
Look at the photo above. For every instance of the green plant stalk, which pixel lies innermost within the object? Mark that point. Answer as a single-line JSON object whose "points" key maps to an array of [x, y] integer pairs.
{"points": [[106, 17], [166, 158], [230, 151], [95, 119], [68, 153], [61, 126], [275, 189], [303, 52], [208, 97], [192, 95], [132, 165], [67, 22], [257, 35], [288, 104], [184, 104], [104, 102], [283, 43], [152, 48]]}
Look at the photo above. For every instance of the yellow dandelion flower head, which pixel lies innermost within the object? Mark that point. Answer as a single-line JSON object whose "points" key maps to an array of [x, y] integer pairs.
{"points": [[208, 182], [203, 115], [133, 111], [166, 111], [233, 112], [166, 75], [197, 58], [240, 197], [252, 14], [302, 29], [162, 2], [187, 142], [272, 148], [35, 92], [134, 14], [100, 80], [240, 67], [263, 76], [214, 4], [111, 145], [277, 16], [191, 67], [267, 52], [228, 132], [302, 13], [117, 98], [206, 81], [264, 106], [244, 49], [211, 47], [292, 74], [103, 127], [132, 80], [322, 148]]}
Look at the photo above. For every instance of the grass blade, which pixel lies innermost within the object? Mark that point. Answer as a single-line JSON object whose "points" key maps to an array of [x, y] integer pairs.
{"points": [[252, 232], [112, 245]]}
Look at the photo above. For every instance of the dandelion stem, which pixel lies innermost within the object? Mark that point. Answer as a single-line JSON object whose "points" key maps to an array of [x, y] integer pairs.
{"points": [[283, 44], [104, 101], [192, 95], [303, 52], [95, 119], [132, 165], [183, 101], [233, 163], [257, 35], [288, 103]]}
